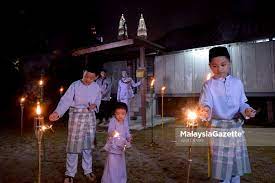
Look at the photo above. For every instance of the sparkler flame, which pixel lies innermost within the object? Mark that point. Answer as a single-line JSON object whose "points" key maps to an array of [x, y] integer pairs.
{"points": [[116, 134], [46, 127], [191, 116]]}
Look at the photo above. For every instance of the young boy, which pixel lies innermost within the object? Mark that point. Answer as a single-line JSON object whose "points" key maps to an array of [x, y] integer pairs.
{"points": [[118, 139], [82, 99], [222, 100]]}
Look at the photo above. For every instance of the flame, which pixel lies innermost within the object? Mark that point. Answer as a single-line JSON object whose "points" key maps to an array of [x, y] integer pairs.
{"points": [[152, 82], [61, 89], [38, 109], [46, 127], [163, 88], [116, 134], [191, 115], [41, 82], [209, 75], [43, 128], [22, 100]]}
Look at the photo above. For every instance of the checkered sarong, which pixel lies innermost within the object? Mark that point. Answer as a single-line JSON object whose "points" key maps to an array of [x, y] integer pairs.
{"points": [[229, 155], [81, 130]]}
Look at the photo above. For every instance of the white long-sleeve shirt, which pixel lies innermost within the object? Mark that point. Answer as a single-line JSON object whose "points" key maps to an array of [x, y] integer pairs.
{"points": [[125, 90], [225, 97], [79, 96]]}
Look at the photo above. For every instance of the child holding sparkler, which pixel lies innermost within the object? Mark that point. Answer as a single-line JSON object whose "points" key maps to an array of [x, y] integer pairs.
{"points": [[119, 139], [223, 100]]}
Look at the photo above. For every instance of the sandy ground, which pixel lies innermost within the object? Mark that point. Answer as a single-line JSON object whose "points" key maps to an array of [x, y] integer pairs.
{"points": [[165, 162]]}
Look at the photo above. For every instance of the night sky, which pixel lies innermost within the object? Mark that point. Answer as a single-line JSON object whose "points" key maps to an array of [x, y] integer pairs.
{"points": [[42, 28]]}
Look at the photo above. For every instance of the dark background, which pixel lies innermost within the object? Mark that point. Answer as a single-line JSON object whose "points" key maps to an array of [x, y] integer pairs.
{"points": [[41, 35]]}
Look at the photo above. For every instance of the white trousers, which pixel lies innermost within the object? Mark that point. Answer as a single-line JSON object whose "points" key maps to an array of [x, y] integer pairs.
{"points": [[72, 161]]}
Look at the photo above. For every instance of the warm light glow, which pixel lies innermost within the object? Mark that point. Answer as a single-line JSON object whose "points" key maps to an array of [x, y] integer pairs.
{"points": [[209, 75], [46, 127], [38, 109], [191, 115], [43, 128], [163, 88], [41, 82], [61, 89], [22, 100], [116, 134], [152, 82]]}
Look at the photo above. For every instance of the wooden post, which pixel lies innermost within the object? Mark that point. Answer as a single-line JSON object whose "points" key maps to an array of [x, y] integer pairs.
{"points": [[143, 86]]}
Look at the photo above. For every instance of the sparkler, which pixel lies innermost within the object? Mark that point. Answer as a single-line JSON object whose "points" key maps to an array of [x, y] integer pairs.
{"points": [[191, 124], [117, 135]]}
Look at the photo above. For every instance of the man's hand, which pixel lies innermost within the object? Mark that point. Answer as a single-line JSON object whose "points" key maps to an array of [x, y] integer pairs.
{"points": [[250, 113], [204, 112], [91, 107], [54, 116]]}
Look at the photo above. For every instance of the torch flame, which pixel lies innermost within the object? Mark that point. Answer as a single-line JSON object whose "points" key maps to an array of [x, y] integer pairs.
{"points": [[61, 89], [41, 82], [152, 82], [38, 109], [22, 100]]}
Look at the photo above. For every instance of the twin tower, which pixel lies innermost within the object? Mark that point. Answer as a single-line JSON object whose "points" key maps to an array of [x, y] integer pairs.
{"points": [[122, 29]]}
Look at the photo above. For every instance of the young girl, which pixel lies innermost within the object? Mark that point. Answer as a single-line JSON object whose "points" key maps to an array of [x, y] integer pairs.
{"points": [[223, 100], [118, 140]]}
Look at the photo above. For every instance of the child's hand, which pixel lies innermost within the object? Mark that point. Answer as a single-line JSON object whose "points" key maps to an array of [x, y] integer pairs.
{"points": [[54, 116], [250, 113], [204, 112]]}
